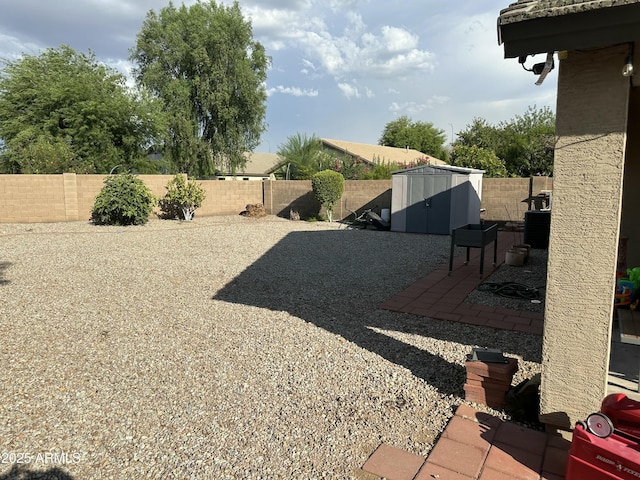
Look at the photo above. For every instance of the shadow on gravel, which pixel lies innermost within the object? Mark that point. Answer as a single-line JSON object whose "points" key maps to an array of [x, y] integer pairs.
{"points": [[3, 267], [21, 472], [336, 280]]}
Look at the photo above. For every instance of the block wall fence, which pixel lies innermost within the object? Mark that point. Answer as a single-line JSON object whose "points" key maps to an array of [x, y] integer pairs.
{"points": [[69, 197]]}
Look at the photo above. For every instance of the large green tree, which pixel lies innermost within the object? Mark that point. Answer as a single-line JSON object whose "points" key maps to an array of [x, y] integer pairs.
{"points": [[422, 136], [203, 62], [525, 144], [480, 133], [478, 157], [62, 111], [529, 143]]}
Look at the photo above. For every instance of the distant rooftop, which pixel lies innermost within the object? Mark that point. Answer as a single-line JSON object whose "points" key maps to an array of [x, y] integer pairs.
{"points": [[382, 153]]}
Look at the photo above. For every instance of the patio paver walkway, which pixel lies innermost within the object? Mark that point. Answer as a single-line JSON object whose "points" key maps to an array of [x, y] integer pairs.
{"points": [[474, 445], [440, 295], [477, 446]]}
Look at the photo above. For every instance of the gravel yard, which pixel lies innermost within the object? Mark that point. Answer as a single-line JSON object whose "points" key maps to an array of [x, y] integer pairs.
{"points": [[227, 347], [530, 277]]}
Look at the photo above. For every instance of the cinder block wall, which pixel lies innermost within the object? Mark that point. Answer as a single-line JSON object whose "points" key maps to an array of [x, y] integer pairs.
{"points": [[280, 197], [70, 197], [359, 195], [88, 187], [228, 197], [32, 199], [506, 199]]}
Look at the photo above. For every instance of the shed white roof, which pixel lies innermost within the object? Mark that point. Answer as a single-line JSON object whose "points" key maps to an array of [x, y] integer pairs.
{"points": [[444, 168]]}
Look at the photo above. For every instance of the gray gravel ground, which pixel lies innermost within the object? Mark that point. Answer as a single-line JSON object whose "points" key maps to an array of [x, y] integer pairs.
{"points": [[227, 347], [532, 276]]}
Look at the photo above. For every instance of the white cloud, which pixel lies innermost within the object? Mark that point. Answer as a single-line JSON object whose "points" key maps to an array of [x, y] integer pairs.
{"points": [[276, 45], [352, 90], [308, 65], [286, 4], [349, 91], [414, 108], [356, 51], [341, 5], [12, 48], [356, 25], [295, 91], [310, 69], [398, 39], [388, 54]]}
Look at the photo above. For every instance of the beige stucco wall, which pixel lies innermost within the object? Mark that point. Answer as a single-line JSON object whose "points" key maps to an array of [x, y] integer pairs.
{"points": [[591, 123]]}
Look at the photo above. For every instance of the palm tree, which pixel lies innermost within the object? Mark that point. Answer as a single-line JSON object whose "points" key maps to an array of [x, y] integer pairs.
{"points": [[301, 157]]}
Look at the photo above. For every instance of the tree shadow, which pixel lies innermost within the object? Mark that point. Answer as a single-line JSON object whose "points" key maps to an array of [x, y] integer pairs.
{"points": [[334, 280], [4, 266], [350, 205], [305, 205], [21, 472]]}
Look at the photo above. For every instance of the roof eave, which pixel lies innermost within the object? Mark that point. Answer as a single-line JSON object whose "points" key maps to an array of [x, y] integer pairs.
{"points": [[576, 31]]}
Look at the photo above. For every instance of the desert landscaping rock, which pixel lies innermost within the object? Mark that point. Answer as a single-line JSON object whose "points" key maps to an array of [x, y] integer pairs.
{"points": [[226, 347]]}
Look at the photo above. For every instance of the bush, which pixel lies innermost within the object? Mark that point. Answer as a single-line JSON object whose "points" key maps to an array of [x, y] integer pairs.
{"points": [[182, 199], [328, 187], [123, 200], [381, 170]]}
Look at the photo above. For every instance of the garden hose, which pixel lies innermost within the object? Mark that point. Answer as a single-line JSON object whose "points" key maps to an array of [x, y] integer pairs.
{"points": [[510, 290]]}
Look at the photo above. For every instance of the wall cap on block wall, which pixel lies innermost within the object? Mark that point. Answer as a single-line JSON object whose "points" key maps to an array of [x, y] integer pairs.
{"points": [[487, 355]]}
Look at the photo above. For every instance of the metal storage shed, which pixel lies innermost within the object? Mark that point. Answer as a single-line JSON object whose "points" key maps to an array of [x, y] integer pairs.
{"points": [[435, 198]]}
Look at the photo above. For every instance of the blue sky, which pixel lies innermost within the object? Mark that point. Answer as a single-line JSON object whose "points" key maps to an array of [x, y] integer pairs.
{"points": [[340, 69]]}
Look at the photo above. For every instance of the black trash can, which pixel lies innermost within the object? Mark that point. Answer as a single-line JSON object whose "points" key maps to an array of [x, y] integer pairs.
{"points": [[537, 225]]}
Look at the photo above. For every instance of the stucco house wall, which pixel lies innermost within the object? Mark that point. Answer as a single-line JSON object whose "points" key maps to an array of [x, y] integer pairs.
{"points": [[594, 189], [591, 125]]}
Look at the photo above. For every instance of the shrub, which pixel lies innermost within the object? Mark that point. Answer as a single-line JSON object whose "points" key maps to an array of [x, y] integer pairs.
{"points": [[182, 199], [381, 170], [351, 168], [123, 200], [328, 187]]}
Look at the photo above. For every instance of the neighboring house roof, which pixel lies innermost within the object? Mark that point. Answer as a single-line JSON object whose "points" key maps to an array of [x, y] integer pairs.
{"points": [[372, 153], [527, 27], [260, 164]]}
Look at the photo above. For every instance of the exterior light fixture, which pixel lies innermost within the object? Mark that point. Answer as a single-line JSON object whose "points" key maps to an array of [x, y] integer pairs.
{"points": [[627, 70], [541, 69]]}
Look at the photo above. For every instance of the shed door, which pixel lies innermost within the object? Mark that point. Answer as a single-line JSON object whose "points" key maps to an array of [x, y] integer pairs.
{"points": [[428, 204]]}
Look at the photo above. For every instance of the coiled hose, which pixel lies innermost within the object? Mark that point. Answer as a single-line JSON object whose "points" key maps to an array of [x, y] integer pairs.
{"points": [[510, 290]]}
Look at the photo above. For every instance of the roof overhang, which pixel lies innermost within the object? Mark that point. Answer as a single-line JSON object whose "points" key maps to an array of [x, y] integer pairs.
{"points": [[527, 34]]}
